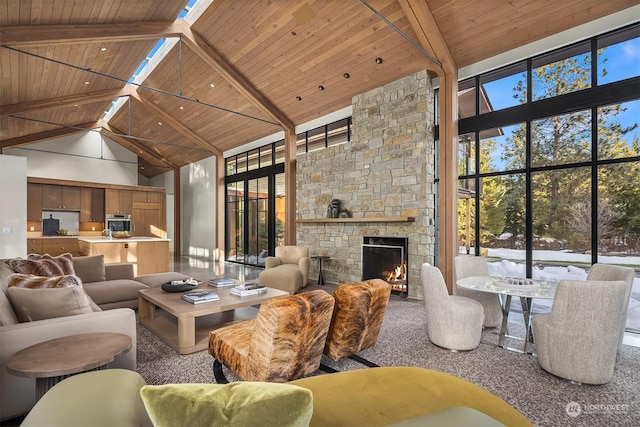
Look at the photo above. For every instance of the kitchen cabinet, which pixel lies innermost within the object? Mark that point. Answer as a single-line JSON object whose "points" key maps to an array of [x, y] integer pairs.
{"points": [[60, 245], [34, 246], [92, 204], [148, 255], [34, 205], [147, 196], [60, 197], [148, 214], [118, 201]]}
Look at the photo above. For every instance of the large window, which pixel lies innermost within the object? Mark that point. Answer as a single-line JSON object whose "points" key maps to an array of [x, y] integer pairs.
{"points": [[255, 193], [549, 161]]}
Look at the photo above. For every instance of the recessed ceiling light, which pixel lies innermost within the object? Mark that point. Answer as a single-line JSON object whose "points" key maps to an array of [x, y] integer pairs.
{"points": [[181, 107], [293, 33], [321, 87], [212, 85], [379, 61], [299, 98], [86, 83], [75, 105], [160, 123], [102, 49], [346, 75], [142, 167], [140, 151]]}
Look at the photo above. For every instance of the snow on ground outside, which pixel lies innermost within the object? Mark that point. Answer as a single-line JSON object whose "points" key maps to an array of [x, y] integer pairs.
{"points": [[507, 267]]}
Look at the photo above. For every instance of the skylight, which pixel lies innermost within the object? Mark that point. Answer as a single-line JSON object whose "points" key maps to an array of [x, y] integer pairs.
{"points": [[190, 13]]}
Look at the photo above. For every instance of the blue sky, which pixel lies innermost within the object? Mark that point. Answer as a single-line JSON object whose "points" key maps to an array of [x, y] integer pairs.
{"points": [[623, 61]]}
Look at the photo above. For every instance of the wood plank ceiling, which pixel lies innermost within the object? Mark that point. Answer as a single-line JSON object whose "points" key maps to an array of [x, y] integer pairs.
{"points": [[237, 71]]}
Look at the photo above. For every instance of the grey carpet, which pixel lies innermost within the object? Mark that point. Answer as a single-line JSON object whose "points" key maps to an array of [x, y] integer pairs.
{"points": [[515, 377]]}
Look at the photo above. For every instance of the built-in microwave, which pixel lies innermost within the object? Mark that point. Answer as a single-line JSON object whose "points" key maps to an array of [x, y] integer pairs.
{"points": [[118, 222]]}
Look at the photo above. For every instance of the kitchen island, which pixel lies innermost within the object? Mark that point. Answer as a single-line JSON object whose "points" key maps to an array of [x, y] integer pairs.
{"points": [[147, 254]]}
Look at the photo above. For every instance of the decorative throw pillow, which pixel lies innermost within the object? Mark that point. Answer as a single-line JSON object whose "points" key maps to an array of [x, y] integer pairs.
{"points": [[38, 304], [44, 265], [40, 282], [30, 281], [90, 268], [238, 404]]}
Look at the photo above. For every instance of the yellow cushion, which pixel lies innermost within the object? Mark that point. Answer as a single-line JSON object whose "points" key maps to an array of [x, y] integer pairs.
{"points": [[237, 404], [387, 395]]}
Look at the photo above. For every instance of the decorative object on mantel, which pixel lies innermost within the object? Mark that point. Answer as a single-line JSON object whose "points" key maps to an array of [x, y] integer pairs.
{"points": [[335, 208], [344, 213], [329, 211]]}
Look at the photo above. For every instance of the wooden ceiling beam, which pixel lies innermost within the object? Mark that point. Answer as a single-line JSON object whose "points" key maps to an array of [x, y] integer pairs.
{"points": [[220, 64], [65, 101], [43, 136], [36, 35], [429, 35], [177, 125], [116, 135]]}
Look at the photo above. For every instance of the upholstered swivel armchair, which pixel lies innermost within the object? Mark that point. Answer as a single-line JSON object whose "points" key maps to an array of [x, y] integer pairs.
{"points": [[608, 273], [283, 343], [469, 265], [578, 339], [357, 318], [453, 322], [288, 270]]}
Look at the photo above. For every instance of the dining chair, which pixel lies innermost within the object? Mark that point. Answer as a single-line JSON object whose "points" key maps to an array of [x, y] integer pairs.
{"points": [[471, 265], [453, 322], [606, 272], [578, 339]]}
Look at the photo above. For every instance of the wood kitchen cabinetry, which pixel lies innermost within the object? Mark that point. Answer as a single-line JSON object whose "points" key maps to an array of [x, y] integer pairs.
{"points": [[60, 197], [92, 204], [55, 246], [148, 214], [34, 246], [118, 201], [34, 206]]}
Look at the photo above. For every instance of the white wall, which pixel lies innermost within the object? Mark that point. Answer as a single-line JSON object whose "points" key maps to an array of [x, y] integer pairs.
{"points": [[199, 215], [87, 157], [13, 206], [166, 180]]}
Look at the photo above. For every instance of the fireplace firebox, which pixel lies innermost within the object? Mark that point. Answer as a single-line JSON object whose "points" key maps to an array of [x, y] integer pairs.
{"points": [[386, 258]]}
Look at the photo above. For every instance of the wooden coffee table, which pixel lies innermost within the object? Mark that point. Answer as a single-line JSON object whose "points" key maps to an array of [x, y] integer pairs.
{"points": [[50, 362], [184, 326]]}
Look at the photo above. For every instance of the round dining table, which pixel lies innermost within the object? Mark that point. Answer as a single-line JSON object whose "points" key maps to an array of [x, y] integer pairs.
{"points": [[508, 287]]}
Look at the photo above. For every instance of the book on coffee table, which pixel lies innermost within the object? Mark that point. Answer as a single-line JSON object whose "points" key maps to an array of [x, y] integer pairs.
{"points": [[200, 297], [248, 289], [222, 283]]}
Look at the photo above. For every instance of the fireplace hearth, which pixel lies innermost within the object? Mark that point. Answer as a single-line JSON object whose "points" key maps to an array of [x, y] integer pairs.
{"points": [[386, 258]]}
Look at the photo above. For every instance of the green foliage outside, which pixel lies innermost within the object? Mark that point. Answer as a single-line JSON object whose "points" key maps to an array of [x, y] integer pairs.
{"points": [[562, 211]]}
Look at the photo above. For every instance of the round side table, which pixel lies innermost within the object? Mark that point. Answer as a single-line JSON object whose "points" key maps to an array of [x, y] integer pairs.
{"points": [[50, 362], [321, 258]]}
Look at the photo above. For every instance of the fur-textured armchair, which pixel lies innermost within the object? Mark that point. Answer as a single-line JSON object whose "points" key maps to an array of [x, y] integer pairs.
{"points": [[288, 270], [283, 343], [357, 318]]}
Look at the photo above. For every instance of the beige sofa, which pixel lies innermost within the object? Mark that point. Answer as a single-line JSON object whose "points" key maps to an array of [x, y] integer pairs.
{"points": [[17, 394], [111, 286]]}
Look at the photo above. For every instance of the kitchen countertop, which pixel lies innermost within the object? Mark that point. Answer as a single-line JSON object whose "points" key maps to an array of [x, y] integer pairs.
{"points": [[101, 239]]}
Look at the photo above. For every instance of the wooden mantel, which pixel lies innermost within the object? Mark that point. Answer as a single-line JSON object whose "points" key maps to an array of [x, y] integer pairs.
{"points": [[359, 220]]}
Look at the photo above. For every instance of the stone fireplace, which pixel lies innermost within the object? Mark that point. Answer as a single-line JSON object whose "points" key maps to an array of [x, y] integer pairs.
{"points": [[385, 172]]}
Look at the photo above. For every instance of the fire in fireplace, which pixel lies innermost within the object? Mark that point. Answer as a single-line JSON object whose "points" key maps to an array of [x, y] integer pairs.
{"points": [[386, 258]]}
